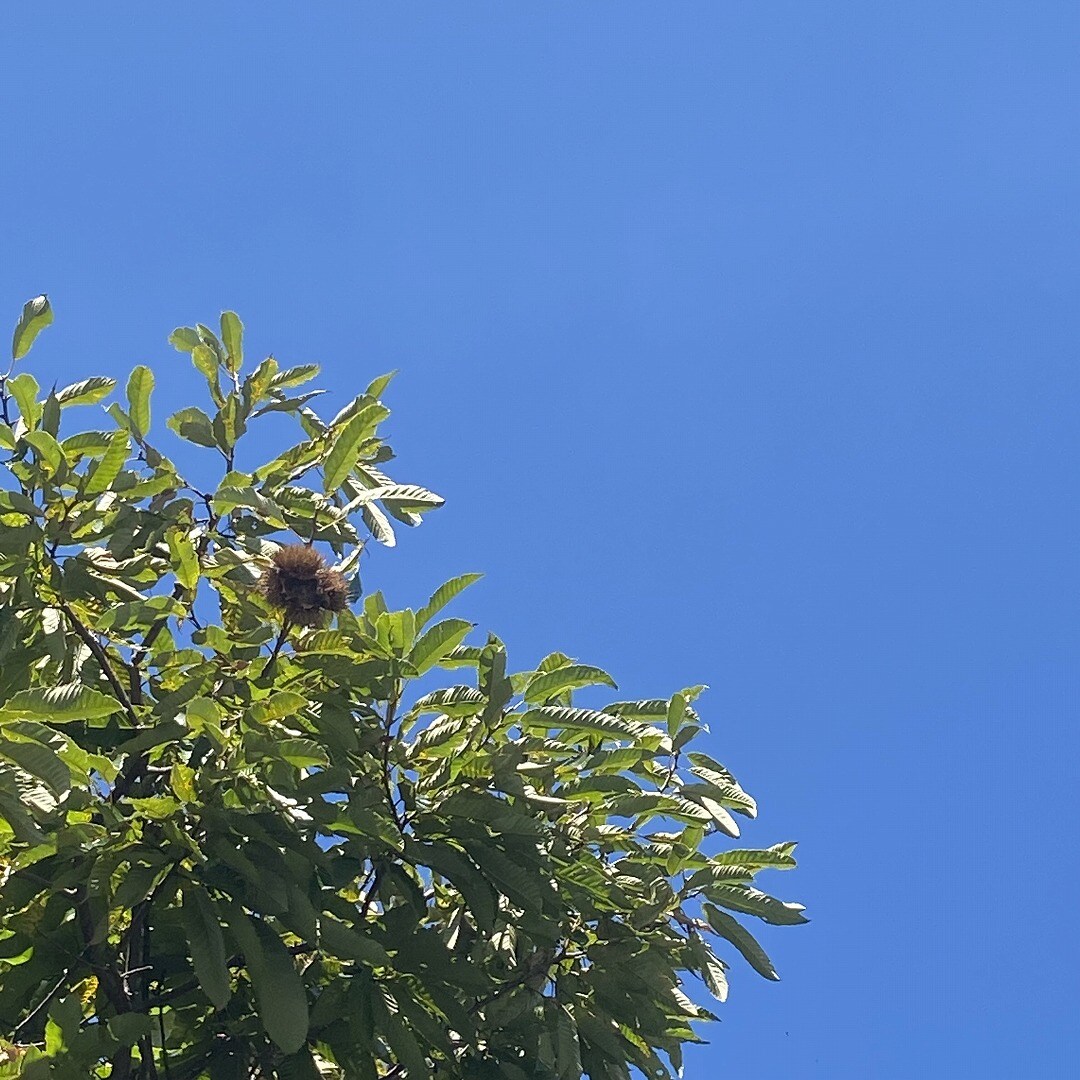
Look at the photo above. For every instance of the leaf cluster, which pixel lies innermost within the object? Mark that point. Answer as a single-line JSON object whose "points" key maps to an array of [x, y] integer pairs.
{"points": [[233, 846]]}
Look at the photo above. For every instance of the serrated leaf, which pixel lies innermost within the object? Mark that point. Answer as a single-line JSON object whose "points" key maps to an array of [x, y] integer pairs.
{"points": [[778, 857], [454, 701], [751, 901], [436, 642], [378, 525], [344, 451], [554, 716], [36, 315], [289, 404], [88, 392], [549, 684], [207, 945], [139, 386], [727, 792], [231, 498], [443, 595], [40, 762], [107, 469], [730, 928], [711, 968], [406, 497], [60, 704], [294, 376], [721, 818]]}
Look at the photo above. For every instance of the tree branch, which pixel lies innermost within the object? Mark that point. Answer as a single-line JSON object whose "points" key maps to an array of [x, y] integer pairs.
{"points": [[101, 657]]}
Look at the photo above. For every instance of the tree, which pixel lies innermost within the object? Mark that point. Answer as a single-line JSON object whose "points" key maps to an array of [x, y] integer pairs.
{"points": [[236, 842]]}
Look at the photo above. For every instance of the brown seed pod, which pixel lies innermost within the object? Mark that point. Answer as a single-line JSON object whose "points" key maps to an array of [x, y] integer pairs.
{"points": [[301, 584]]}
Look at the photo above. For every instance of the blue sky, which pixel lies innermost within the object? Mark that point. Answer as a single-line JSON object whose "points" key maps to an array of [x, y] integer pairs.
{"points": [[742, 341]]}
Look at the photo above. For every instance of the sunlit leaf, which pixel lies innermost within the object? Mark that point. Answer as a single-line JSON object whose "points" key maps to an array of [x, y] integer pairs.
{"points": [[36, 315], [139, 386], [232, 336]]}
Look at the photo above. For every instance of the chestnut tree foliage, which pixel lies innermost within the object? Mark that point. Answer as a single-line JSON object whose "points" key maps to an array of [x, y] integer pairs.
{"points": [[236, 840]]}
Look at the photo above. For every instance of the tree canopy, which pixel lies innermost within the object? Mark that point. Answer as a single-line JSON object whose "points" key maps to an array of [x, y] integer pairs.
{"points": [[256, 823]]}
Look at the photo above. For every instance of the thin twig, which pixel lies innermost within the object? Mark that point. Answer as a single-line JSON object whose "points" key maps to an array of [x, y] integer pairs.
{"points": [[286, 626], [102, 658], [387, 742], [42, 1003]]}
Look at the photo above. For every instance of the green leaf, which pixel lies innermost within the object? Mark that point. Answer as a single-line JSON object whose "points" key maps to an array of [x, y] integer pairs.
{"points": [[15, 502], [711, 968], [554, 716], [751, 901], [728, 927], [24, 389], [462, 873], [436, 642], [38, 761], [408, 497], [777, 857], [232, 498], [206, 363], [567, 1047], [550, 684], [138, 394], [184, 558], [128, 1028], [349, 944], [194, 425], [299, 1066], [232, 337], [454, 701], [60, 704], [88, 392], [294, 376], [443, 595], [303, 753], [344, 451], [184, 338], [280, 997], [378, 385], [47, 448], [276, 707], [207, 944], [405, 1048], [378, 524], [724, 790], [36, 315], [105, 471]]}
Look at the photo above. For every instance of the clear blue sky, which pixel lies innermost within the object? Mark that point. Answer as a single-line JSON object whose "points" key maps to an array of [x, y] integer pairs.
{"points": [[742, 340]]}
